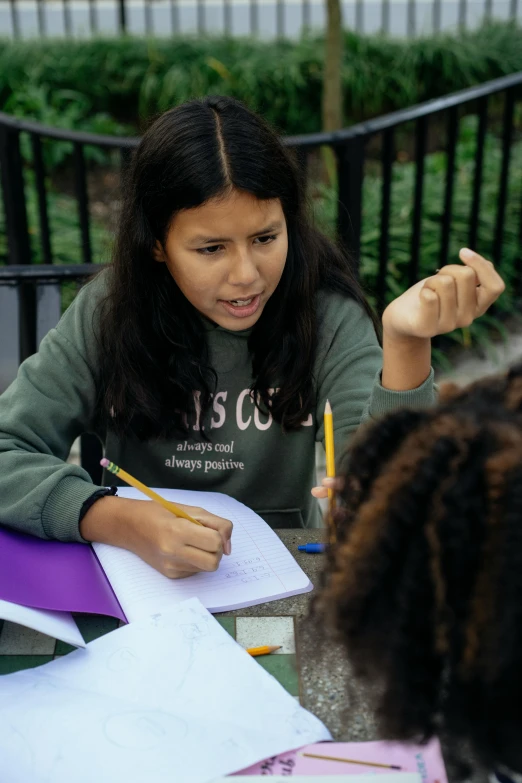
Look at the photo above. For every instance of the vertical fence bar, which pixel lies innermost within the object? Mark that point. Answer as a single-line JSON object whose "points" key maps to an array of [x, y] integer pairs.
{"points": [[385, 17], [174, 17], [507, 136], [420, 152], [67, 19], [254, 17], [387, 155], [513, 10], [42, 24], [306, 15], [27, 305], [125, 159], [437, 15], [280, 18], [350, 172], [301, 154], [411, 24], [477, 177], [39, 171], [227, 16], [93, 17], [518, 276], [122, 16], [488, 10], [201, 17], [15, 19], [80, 186], [463, 14], [148, 17], [359, 16], [13, 196], [451, 146]]}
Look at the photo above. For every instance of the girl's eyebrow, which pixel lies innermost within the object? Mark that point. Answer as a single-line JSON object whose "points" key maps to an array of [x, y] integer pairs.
{"points": [[205, 240]]}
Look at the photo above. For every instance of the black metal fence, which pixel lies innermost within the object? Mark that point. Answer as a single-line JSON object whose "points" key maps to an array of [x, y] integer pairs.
{"points": [[30, 293], [271, 18]]}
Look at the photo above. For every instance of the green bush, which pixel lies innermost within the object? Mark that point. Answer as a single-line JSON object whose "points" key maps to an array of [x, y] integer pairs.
{"points": [[126, 81], [403, 183]]}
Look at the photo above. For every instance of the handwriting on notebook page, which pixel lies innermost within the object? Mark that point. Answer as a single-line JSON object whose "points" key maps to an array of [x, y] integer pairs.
{"points": [[259, 569]]}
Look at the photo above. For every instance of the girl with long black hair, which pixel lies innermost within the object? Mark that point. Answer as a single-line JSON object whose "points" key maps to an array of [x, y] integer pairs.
{"points": [[204, 355]]}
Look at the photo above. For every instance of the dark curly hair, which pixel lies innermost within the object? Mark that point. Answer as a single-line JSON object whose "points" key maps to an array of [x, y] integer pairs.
{"points": [[424, 584]]}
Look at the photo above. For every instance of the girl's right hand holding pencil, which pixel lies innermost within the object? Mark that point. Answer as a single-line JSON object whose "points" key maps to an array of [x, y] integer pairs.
{"points": [[173, 546]]}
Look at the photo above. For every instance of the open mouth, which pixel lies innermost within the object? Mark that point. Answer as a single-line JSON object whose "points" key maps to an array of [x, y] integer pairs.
{"points": [[241, 308]]}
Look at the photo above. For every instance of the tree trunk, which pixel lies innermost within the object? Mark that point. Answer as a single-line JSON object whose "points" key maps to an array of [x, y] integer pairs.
{"points": [[332, 87]]}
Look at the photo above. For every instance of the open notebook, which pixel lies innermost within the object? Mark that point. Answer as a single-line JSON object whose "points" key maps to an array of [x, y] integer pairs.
{"points": [[102, 579]]}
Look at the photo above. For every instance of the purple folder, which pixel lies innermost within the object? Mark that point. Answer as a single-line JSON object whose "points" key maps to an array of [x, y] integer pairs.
{"points": [[54, 575]]}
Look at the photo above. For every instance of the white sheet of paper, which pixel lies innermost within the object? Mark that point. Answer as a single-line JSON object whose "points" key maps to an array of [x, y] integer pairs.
{"points": [[57, 625], [169, 698], [259, 569]]}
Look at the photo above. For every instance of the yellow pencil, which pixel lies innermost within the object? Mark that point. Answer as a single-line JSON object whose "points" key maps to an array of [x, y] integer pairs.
{"points": [[265, 650], [330, 463], [351, 761], [128, 479]]}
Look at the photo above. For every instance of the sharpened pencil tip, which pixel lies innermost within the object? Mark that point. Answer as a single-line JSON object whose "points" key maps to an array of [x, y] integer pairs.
{"points": [[327, 407]]}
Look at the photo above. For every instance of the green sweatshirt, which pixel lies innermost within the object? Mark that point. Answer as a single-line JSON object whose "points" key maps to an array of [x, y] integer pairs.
{"points": [[248, 456]]}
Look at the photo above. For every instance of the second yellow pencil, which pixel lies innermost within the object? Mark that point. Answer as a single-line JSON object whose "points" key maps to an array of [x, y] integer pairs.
{"points": [[330, 464]]}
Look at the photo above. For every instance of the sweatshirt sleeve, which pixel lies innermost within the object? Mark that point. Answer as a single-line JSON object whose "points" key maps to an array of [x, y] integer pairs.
{"points": [[349, 372], [50, 403]]}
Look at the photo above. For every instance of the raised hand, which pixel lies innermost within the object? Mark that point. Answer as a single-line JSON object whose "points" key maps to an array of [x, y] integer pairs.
{"points": [[452, 298]]}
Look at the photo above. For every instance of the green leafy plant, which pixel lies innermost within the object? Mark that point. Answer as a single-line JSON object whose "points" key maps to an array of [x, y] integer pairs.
{"points": [[403, 178], [62, 108], [131, 79]]}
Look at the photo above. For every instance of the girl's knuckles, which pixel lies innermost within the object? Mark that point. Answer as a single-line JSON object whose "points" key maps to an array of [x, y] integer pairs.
{"points": [[446, 282]]}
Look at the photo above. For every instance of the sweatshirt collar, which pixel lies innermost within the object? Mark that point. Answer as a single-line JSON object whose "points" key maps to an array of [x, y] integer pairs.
{"points": [[210, 326]]}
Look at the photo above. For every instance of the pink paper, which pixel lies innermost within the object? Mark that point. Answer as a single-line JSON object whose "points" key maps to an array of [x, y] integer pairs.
{"points": [[426, 760]]}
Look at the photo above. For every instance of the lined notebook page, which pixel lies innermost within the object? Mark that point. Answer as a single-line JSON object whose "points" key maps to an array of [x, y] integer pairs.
{"points": [[260, 568]]}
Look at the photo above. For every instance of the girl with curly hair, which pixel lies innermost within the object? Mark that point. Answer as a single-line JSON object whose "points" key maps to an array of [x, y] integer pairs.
{"points": [[424, 585]]}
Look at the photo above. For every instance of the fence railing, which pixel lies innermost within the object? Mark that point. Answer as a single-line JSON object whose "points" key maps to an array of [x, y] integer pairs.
{"points": [[267, 18], [30, 293]]}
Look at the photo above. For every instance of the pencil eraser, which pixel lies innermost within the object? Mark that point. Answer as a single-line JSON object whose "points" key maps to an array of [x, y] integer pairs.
{"points": [[104, 463]]}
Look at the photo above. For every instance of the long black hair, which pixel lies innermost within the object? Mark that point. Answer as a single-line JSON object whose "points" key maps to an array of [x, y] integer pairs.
{"points": [[153, 346], [424, 584]]}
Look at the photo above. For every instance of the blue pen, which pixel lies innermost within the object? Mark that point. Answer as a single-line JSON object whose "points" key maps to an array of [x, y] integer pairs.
{"points": [[311, 549]]}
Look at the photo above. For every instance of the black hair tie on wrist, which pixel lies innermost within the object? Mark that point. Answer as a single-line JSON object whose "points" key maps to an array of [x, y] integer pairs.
{"points": [[101, 493]]}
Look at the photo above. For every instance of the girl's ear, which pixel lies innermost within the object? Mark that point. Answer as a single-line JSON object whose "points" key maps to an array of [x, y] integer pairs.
{"points": [[158, 253]]}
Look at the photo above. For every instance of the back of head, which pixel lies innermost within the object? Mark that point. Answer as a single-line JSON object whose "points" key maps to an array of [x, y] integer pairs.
{"points": [[424, 584]]}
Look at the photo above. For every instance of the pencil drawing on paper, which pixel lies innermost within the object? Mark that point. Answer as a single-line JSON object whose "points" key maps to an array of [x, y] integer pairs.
{"points": [[143, 730], [122, 660]]}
